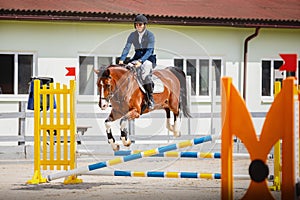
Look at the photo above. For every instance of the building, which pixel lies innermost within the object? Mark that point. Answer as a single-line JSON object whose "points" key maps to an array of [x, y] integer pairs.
{"points": [[208, 39]]}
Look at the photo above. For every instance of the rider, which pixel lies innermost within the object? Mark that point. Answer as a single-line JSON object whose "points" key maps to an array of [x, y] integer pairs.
{"points": [[143, 41]]}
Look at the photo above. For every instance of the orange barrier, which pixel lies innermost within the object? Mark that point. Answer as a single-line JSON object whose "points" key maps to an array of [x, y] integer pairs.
{"points": [[279, 124]]}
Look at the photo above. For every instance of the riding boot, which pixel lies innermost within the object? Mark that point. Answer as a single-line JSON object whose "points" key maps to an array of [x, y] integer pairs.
{"points": [[149, 89]]}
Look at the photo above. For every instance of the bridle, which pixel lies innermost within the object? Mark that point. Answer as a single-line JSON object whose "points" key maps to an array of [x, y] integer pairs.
{"points": [[111, 93]]}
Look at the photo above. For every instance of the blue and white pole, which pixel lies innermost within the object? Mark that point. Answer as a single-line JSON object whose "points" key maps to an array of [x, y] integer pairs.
{"points": [[188, 154], [173, 154], [158, 174], [147, 153], [161, 174]]}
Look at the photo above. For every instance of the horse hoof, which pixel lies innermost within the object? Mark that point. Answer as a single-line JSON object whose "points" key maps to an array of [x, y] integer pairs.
{"points": [[177, 134], [115, 147], [127, 142]]}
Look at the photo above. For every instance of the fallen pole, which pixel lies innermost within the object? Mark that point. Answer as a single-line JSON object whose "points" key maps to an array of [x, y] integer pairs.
{"points": [[148, 153]]}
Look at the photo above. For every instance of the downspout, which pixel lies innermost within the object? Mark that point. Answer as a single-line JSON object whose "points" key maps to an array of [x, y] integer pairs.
{"points": [[246, 60]]}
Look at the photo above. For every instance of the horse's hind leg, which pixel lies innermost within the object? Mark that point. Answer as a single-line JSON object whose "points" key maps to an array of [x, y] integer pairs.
{"points": [[168, 121], [176, 127], [173, 128], [124, 132], [111, 139]]}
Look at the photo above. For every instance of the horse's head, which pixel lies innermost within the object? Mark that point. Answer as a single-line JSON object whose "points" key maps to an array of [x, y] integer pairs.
{"points": [[112, 82], [105, 87]]}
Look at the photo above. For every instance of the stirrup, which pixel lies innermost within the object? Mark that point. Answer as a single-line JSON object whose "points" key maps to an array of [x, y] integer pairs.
{"points": [[150, 105]]}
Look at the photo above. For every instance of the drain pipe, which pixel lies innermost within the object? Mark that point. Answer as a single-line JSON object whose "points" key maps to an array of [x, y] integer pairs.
{"points": [[245, 59]]}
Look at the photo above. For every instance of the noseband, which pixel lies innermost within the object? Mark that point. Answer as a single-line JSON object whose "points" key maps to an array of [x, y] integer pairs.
{"points": [[110, 92]]}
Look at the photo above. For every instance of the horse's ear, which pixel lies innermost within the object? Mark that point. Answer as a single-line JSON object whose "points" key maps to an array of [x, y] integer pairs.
{"points": [[104, 72]]}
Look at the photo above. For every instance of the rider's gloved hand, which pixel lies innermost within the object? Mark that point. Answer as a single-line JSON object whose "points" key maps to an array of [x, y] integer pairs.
{"points": [[137, 64]]}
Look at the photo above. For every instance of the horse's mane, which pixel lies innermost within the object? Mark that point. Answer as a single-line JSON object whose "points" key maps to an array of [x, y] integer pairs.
{"points": [[104, 70]]}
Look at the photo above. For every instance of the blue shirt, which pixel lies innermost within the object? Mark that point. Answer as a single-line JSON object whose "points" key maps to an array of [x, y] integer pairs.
{"points": [[144, 50]]}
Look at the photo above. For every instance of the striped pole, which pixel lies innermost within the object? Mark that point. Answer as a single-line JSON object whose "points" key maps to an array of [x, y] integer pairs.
{"points": [[151, 152], [173, 154], [161, 174], [188, 154]]}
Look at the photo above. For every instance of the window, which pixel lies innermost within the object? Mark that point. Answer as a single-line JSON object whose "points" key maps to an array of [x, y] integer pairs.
{"points": [[25, 71], [204, 77], [191, 71], [216, 63], [16, 70], [87, 77], [203, 73], [271, 73], [266, 78], [298, 72]]}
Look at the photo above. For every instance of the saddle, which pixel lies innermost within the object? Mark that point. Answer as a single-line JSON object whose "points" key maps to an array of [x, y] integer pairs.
{"points": [[158, 84]]}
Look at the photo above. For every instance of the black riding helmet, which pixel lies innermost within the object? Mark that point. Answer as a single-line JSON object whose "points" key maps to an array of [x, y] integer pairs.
{"points": [[140, 19]]}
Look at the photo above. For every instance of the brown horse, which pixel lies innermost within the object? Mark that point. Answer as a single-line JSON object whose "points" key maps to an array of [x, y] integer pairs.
{"points": [[118, 85]]}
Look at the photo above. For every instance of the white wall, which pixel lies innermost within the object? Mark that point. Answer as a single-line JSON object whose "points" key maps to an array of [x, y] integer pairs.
{"points": [[58, 44], [56, 67]]}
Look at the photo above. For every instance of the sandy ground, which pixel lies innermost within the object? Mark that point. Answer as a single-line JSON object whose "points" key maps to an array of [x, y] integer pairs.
{"points": [[15, 173]]}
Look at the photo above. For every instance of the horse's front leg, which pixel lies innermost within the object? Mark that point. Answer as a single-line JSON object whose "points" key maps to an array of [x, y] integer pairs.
{"points": [[132, 114], [110, 137], [124, 132]]}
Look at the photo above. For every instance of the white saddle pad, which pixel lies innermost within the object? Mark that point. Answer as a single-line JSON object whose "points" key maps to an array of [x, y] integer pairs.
{"points": [[158, 84]]}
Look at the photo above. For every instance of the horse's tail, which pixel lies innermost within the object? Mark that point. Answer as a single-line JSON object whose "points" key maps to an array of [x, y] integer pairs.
{"points": [[183, 90]]}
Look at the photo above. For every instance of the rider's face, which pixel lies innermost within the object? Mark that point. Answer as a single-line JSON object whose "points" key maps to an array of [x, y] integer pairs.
{"points": [[140, 27]]}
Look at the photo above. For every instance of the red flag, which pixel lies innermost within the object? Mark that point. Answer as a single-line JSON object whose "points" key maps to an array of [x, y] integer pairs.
{"points": [[71, 71], [290, 62]]}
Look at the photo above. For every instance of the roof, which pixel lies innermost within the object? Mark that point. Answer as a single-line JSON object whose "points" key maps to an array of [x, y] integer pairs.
{"points": [[256, 13]]}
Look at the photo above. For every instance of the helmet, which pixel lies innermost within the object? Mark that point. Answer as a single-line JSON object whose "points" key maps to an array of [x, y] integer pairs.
{"points": [[141, 19]]}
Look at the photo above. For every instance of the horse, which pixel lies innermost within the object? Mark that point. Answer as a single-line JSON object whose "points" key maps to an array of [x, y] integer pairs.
{"points": [[118, 86]]}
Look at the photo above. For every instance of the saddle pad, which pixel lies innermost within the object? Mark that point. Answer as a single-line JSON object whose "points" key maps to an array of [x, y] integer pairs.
{"points": [[158, 84]]}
